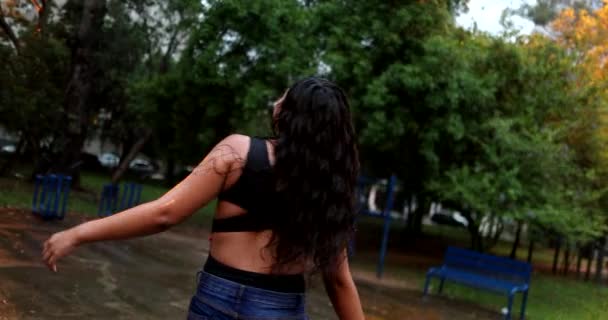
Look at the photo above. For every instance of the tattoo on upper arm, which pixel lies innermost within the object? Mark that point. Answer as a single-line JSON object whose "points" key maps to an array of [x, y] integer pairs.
{"points": [[222, 160]]}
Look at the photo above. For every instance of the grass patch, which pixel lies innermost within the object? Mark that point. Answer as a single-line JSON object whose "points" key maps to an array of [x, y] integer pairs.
{"points": [[448, 232], [549, 298]]}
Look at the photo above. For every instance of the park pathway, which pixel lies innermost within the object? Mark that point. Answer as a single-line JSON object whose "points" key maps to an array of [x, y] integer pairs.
{"points": [[153, 278]]}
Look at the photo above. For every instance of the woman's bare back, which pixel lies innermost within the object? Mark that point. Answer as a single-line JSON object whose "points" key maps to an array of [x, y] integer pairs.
{"points": [[245, 250]]}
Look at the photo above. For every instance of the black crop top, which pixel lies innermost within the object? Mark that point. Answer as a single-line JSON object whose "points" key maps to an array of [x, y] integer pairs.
{"points": [[254, 191]]}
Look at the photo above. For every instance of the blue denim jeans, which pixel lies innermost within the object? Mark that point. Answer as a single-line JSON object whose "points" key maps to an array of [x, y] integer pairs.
{"points": [[219, 299]]}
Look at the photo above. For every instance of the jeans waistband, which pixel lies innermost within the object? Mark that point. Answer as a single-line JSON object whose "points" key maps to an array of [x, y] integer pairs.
{"points": [[240, 297], [272, 282]]}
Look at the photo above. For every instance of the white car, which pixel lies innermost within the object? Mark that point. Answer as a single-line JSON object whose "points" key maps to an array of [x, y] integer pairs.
{"points": [[109, 160], [141, 165], [9, 148]]}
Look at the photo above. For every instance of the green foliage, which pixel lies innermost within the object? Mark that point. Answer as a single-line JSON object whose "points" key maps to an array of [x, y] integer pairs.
{"points": [[489, 125], [524, 167], [33, 83], [241, 57], [545, 11]]}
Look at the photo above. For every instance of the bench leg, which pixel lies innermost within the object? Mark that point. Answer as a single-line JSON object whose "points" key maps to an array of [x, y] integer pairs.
{"points": [[509, 307], [426, 285], [441, 285], [523, 305]]}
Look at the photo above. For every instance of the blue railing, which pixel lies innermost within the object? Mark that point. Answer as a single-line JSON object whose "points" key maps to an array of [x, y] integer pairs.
{"points": [[51, 194]]}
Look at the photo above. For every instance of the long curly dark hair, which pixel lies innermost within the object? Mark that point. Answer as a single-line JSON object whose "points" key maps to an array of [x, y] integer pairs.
{"points": [[316, 172]]}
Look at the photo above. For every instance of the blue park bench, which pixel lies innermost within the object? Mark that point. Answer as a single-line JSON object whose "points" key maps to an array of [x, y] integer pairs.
{"points": [[111, 201], [486, 272], [51, 194]]}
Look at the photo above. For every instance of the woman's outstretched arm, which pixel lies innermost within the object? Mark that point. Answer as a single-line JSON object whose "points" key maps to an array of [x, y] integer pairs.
{"points": [[343, 293], [195, 191]]}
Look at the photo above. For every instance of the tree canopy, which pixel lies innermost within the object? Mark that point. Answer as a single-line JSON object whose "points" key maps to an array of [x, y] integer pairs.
{"points": [[508, 127]]}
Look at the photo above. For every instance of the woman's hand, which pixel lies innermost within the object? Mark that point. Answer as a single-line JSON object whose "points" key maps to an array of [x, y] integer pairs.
{"points": [[58, 246]]}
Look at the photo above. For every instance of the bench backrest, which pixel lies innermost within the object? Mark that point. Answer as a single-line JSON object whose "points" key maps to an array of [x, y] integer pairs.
{"points": [[51, 195], [498, 267]]}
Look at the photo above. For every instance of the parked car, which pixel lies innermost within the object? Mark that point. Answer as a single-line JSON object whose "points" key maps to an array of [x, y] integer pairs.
{"points": [[9, 148], [447, 217], [141, 166], [109, 160]]}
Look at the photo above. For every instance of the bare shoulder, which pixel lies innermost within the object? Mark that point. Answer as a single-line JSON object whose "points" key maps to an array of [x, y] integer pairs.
{"points": [[227, 156], [237, 142]]}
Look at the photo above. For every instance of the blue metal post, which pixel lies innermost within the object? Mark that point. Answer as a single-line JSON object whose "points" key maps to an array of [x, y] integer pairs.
{"points": [[102, 200], [65, 187], [523, 305], [390, 195], [137, 194], [114, 199], [101, 210], [51, 198], [51, 194], [42, 201], [441, 284], [426, 285], [37, 183], [509, 306], [132, 190], [123, 200], [109, 197], [57, 199], [65, 190]]}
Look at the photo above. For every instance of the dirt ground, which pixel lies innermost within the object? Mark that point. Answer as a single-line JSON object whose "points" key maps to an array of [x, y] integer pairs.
{"points": [[154, 277]]}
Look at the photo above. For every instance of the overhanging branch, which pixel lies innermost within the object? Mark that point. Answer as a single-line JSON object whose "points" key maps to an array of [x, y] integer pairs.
{"points": [[8, 30]]}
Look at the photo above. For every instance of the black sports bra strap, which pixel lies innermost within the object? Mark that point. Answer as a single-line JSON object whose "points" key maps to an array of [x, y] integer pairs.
{"points": [[252, 192], [257, 157], [243, 222]]}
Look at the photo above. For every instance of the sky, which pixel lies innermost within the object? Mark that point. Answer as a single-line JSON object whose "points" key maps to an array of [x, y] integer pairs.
{"points": [[487, 13]]}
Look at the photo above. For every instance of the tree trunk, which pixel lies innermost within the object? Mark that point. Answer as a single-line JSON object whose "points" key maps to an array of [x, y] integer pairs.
{"points": [[556, 255], [476, 238], [600, 260], [164, 64], [10, 162], [78, 105], [135, 149], [566, 259], [41, 164], [9, 32], [515, 246], [414, 220], [530, 251], [170, 172], [579, 261], [498, 226], [589, 263]]}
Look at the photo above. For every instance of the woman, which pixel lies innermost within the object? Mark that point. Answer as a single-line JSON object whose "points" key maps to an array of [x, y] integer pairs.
{"points": [[285, 209]]}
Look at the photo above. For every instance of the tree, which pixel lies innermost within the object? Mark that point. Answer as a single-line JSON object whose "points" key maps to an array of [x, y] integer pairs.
{"points": [[378, 67], [545, 11], [238, 59], [78, 108], [526, 166], [584, 33], [165, 35], [33, 77], [454, 113], [150, 34]]}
